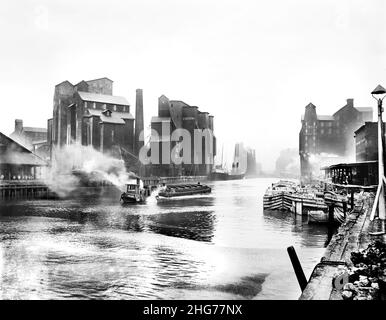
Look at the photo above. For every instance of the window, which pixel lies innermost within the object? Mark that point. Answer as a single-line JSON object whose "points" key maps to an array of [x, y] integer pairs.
{"points": [[115, 107], [321, 131], [322, 124], [112, 135], [85, 104], [94, 105], [329, 131]]}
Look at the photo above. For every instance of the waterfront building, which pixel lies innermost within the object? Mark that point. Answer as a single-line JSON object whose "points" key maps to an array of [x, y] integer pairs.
{"points": [[366, 142], [33, 138], [17, 162], [89, 114], [329, 134], [364, 173], [177, 114]]}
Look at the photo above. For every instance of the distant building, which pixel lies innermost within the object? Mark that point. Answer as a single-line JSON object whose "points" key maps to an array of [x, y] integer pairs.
{"points": [[329, 134], [179, 115], [252, 168], [89, 114], [17, 162], [28, 136]]}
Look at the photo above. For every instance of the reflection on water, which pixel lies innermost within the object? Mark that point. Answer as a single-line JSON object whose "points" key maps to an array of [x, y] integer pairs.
{"points": [[220, 246]]}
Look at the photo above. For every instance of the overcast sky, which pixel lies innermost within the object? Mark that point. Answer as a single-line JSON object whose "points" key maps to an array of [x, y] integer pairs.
{"points": [[254, 65]]}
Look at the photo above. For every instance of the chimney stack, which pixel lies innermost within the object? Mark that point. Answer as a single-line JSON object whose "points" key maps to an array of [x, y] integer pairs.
{"points": [[350, 102], [18, 125], [138, 121]]}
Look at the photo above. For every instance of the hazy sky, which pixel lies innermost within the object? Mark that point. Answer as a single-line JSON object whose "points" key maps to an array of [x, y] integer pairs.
{"points": [[254, 65]]}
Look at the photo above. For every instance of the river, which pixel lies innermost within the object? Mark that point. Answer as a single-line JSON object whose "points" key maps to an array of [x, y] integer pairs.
{"points": [[220, 246]]}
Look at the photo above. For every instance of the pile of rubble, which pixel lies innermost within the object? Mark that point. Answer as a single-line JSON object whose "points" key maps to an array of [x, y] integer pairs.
{"points": [[367, 277]]}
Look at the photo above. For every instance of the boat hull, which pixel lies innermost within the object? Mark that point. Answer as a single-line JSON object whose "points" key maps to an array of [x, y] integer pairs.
{"points": [[132, 199], [183, 191], [222, 176]]}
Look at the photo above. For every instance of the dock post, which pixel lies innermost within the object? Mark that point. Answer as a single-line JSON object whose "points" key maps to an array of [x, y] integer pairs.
{"points": [[297, 267], [331, 213], [344, 209]]}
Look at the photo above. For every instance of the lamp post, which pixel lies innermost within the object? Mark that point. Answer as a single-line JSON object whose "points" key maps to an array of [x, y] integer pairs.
{"points": [[379, 93]]}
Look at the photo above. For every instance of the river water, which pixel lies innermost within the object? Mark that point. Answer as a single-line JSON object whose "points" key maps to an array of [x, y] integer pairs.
{"points": [[220, 246]]}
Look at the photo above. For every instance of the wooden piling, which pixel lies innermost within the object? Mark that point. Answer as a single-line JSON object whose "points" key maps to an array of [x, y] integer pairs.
{"points": [[297, 267]]}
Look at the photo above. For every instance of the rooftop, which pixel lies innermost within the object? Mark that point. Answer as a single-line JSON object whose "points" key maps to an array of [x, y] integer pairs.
{"points": [[114, 118], [103, 98], [364, 109], [33, 129], [20, 155]]}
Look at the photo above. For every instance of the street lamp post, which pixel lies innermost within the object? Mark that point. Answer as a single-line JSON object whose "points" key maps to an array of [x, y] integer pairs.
{"points": [[379, 93]]}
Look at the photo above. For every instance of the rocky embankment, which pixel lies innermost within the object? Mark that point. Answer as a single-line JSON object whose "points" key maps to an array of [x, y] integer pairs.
{"points": [[367, 276]]}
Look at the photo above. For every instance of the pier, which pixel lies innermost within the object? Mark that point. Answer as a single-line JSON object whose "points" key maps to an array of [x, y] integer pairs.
{"points": [[10, 189], [353, 235]]}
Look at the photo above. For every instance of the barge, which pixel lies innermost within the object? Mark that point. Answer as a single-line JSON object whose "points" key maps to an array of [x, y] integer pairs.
{"points": [[182, 191]]}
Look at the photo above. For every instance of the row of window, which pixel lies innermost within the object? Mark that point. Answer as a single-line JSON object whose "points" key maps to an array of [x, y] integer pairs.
{"points": [[115, 108]]}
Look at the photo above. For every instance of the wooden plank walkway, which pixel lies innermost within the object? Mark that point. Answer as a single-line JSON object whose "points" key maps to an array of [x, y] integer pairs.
{"points": [[351, 236]]}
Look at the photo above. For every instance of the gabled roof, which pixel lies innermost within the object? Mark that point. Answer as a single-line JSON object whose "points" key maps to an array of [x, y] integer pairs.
{"points": [[179, 101], [114, 118], [20, 155], [63, 82], [100, 79], [124, 115], [103, 98]]}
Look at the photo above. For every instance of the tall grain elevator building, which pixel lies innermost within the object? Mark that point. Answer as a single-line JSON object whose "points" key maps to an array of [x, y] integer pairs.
{"points": [[89, 114], [177, 114]]}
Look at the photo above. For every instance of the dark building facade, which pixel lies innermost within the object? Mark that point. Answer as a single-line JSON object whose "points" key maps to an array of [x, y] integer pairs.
{"points": [[177, 114], [329, 134], [366, 142], [89, 114]]}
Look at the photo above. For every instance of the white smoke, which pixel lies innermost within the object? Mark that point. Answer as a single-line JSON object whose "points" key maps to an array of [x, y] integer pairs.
{"points": [[88, 162]]}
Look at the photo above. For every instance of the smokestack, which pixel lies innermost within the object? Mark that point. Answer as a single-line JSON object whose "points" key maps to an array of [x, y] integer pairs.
{"points": [[138, 120], [18, 125]]}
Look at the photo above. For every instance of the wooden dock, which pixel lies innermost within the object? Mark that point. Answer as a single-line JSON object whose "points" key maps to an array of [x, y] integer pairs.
{"points": [[352, 236], [23, 189]]}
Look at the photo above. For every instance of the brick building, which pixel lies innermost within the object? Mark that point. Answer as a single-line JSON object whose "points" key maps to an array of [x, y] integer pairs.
{"points": [[89, 114], [329, 134], [366, 142], [179, 115]]}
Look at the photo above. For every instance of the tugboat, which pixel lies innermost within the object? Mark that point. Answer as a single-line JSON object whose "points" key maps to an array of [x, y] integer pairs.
{"points": [[182, 190], [135, 193]]}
